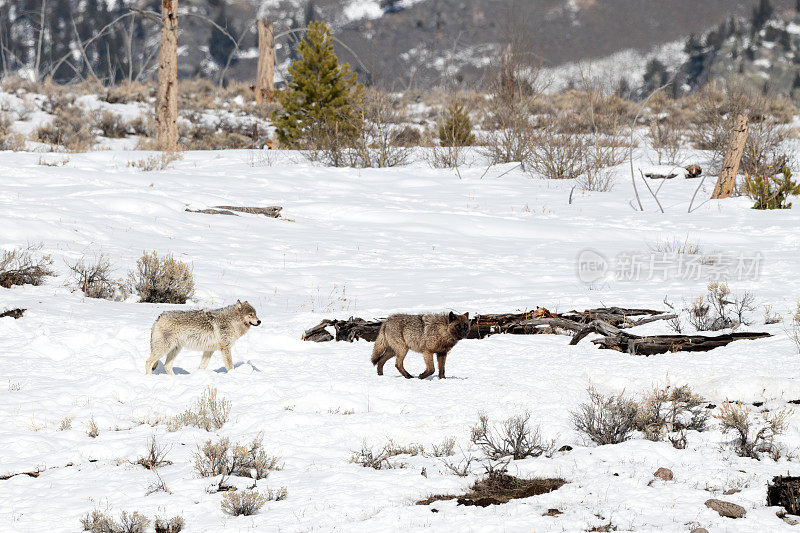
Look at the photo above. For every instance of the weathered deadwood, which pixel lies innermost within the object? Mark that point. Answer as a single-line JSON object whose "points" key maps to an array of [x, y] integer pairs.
{"points": [[529, 323], [733, 156], [784, 491], [212, 212], [348, 330], [616, 339], [13, 313], [655, 176], [273, 211]]}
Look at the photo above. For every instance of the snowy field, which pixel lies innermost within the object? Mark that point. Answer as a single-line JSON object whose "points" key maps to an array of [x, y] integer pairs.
{"points": [[367, 243]]}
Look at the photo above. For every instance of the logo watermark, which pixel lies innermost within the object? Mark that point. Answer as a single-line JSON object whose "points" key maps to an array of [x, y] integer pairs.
{"points": [[594, 267]]}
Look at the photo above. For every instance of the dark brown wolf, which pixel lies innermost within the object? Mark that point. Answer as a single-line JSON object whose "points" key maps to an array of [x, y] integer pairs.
{"points": [[426, 334]]}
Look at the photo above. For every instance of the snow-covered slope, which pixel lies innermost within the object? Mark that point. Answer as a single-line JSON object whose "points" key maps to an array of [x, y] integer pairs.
{"points": [[367, 243]]}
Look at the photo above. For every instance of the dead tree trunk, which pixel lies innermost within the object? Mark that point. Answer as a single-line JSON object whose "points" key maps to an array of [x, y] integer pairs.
{"points": [[733, 155], [265, 79], [167, 96]]}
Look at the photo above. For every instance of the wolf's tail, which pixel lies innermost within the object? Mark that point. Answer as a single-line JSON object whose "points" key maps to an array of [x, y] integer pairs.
{"points": [[380, 345]]}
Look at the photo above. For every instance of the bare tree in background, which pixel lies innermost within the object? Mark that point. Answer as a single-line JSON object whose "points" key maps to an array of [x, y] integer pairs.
{"points": [[167, 96]]}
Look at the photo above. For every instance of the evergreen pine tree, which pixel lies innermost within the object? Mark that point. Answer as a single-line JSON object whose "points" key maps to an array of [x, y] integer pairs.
{"points": [[321, 97], [456, 129]]}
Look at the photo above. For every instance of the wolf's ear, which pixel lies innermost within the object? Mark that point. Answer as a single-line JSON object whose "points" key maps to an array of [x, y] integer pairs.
{"points": [[466, 315], [238, 304], [451, 317]]}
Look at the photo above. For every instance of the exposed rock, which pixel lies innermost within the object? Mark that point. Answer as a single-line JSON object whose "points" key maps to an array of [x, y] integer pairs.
{"points": [[726, 509], [664, 474]]}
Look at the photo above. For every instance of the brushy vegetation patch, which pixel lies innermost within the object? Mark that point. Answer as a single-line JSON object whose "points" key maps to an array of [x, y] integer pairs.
{"points": [[754, 433], [516, 437], [222, 458], [172, 525], [210, 412], [161, 280], [99, 522], [606, 419], [93, 279], [69, 129], [22, 267], [499, 487], [248, 502], [378, 459]]}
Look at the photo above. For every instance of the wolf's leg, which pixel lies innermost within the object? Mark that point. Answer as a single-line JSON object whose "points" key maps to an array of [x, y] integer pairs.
{"points": [[401, 354], [428, 365], [173, 353], [440, 363], [226, 357], [382, 361], [151, 363], [206, 358]]}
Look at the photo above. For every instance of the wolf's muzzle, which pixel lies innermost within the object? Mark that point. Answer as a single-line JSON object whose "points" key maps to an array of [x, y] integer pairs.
{"points": [[256, 324]]}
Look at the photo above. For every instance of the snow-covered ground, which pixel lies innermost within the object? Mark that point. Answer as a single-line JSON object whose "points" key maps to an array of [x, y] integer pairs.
{"points": [[368, 243]]}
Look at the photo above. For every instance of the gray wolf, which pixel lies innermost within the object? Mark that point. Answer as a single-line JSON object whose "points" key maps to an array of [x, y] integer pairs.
{"points": [[206, 330], [427, 334]]}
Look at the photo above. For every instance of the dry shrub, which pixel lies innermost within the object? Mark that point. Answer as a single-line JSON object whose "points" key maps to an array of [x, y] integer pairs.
{"points": [[516, 437], [556, 156], [173, 525], [379, 459], [92, 430], [370, 141], [209, 412], [755, 434], [125, 93], [219, 135], [222, 458], [8, 139], [155, 457], [69, 129], [111, 125], [99, 522], [94, 279], [160, 161], [794, 328], [161, 280], [445, 449], [669, 410], [514, 91], [248, 502], [720, 309], [665, 134], [20, 267], [606, 419]]}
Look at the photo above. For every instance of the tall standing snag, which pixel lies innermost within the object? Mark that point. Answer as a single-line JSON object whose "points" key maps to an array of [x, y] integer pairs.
{"points": [[730, 165], [167, 97], [265, 78]]}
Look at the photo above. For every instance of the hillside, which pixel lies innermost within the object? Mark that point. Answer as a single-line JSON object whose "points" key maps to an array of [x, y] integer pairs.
{"points": [[408, 43]]}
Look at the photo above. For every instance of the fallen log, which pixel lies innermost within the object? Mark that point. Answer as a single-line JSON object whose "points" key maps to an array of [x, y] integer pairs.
{"points": [[614, 338], [273, 211], [533, 322]]}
